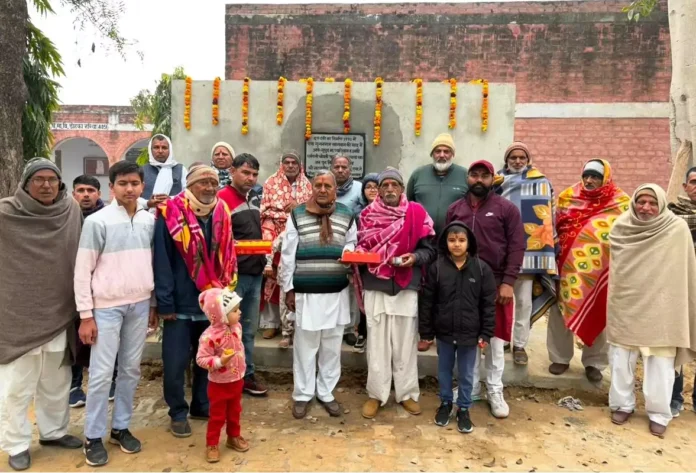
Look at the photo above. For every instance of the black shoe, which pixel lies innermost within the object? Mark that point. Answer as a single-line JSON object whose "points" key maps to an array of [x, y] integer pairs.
{"points": [[112, 391], [180, 429], [350, 339], [464, 424], [253, 387], [125, 439], [77, 398], [442, 417], [593, 374], [95, 453], [360, 343], [69, 442], [21, 461]]}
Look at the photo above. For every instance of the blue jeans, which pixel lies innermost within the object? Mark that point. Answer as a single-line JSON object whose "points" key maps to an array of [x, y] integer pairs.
{"points": [[77, 376], [121, 331], [678, 388], [447, 353], [179, 347], [249, 289]]}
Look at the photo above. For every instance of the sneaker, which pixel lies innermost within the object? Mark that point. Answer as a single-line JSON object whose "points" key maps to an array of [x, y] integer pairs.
{"points": [[125, 440], [350, 339], [464, 424], [112, 391], [253, 387], [360, 343], [95, 453], [676, 408], [499, 408], [444, 412], [77, 398], [475, 394]]}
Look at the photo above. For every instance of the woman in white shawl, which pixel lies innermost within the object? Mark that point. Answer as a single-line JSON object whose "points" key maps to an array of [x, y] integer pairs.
{"points": [[164, 176]]}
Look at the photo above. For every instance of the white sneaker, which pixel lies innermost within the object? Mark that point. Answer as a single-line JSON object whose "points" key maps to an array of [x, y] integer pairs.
{"points": [[499, 408]]}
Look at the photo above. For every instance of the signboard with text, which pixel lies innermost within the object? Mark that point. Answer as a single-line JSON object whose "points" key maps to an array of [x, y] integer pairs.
{"points": [[321, 148], [79, 126]]}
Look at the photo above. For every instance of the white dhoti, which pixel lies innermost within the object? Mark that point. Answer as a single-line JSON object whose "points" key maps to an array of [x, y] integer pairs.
{"points": [[523, 310], [560, 344], [36, 376], [495, 365], [658, 379], [392, 345], [270, 316]]}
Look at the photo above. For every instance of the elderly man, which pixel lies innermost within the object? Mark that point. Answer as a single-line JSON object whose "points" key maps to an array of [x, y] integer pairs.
{"points": [[585, 214], [315, 284], [164, 177], [531, 192], [193, 251], [39, 225], [283, 191], [400, 232], [497, 225], [652, 305]]}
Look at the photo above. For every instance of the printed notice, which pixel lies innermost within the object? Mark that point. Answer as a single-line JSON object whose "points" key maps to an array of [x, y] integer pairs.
{"points": [[322, 147]]}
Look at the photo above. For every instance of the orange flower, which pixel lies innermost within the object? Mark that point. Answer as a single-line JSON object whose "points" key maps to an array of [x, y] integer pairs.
{"points": [[281, 88], [453, 103], [484, 105], [308, 107], [187, 103], [419, 106], [245, 106], [346, 105]]}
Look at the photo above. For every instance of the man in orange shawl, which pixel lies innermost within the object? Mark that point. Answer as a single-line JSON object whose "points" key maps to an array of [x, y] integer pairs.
{"points": [[282, 192], [584, 215]]}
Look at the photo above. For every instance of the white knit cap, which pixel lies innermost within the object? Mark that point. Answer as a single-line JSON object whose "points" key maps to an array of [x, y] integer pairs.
{"points": [[230, 300], [594, 167]]}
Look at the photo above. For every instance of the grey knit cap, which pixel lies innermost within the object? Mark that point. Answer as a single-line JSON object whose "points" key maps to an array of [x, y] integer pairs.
{"points": [[391, 173], [35, 165]]}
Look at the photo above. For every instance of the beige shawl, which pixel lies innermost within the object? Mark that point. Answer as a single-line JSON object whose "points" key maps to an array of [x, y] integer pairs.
{"points": [[38, 247], [652, 281]]}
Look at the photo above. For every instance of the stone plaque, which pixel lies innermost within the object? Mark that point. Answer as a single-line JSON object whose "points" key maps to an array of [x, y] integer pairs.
{"points": [[322, 147]]}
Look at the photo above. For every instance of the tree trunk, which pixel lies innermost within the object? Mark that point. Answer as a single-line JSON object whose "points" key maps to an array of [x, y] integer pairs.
{"points": [[13, 37]]}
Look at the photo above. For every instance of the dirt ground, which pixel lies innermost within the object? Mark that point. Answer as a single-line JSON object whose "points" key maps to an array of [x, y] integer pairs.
{"points": [[538, 436]]}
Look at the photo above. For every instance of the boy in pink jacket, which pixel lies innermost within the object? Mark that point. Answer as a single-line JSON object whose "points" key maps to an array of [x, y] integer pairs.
{"points": [[221, 352]]}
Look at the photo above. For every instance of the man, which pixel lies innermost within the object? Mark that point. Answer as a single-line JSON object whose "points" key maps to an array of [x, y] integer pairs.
{"points": [[315, 284], [164, 177], [113, 293], [283, 191], [193, 251], [349, 192], [497, 225], [87, 193], [246, 225], [531, 192], [652, 305], [395, 229], [584, 216], [39, 235]]}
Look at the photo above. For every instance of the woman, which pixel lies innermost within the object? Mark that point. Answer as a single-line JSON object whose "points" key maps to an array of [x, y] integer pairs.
{"points": [[222, 157]]}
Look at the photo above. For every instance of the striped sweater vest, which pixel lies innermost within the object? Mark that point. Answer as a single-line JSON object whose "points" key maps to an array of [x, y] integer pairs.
{"points": [[317, 270]]}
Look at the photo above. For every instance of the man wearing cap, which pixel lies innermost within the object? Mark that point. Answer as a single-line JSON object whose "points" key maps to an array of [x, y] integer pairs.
{"points": [[193, 251], [164, 176], [497, 225], [585, 213], [401, 233], [39, 236], [531, 192]]}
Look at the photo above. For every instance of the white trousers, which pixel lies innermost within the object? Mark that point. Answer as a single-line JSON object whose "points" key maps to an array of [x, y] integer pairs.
{"points": [[392, 352], [312, 348], [523, 310], [33, 377], [658, 379], [560, 344], [270, 316], [354, 311], [494, 363]]}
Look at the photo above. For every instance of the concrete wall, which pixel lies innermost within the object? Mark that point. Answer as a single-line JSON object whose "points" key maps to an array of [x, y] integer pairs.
{"points": [[399, 146]]}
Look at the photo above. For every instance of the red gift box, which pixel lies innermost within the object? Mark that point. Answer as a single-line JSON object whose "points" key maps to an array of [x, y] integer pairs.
{"points": [[357, 257], [253, 247]]}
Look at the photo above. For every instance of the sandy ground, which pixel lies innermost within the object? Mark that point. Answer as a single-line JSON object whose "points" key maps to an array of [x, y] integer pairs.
{"points": [[538, 436]]}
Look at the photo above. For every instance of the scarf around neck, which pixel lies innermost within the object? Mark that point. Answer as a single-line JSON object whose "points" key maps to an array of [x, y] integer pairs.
{"points": [[95, 209], [324, 214], [165, 180], [198, 207], [344, 188]]}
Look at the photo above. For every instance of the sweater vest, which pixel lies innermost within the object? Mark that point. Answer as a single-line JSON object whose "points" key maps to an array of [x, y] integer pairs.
{"points": [[317, 270], [151, 173]]}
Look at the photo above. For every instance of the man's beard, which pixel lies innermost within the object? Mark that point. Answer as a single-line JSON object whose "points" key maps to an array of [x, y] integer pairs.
{"points": [[479, 190], [442, 167]]}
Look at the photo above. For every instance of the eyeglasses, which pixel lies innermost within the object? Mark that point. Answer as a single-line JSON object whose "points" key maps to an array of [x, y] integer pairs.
{"points": [[40, 181]]}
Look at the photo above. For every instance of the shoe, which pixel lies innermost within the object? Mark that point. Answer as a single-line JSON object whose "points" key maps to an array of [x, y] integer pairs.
{"points": [[506, 347], [253, 387], [350, 339], [519, 356], [444, 412], [359, 346], [676, 408], [658, 430], [476, 393], [332, 407], [499, 408], [270, 333], [181, 429], [21, 461], [125, 440], [424, 345], [69, 442], [411, 406], [620, 417], [285, 343], [199, 416], [95, 453], [464, 424], [593, 374], [558, 368], [299, 409], [112, 391], [237, 443], [77, 398], [370, 408], [212, 454]]}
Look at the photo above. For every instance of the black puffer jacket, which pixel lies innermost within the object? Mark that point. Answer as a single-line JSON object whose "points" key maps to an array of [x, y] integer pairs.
{"points": [[457, 305]]}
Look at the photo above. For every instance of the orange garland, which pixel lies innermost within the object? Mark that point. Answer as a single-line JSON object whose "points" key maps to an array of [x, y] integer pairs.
{"points": [[453, 103], [281, 86], [378, 111], [187, 103], [245, 106], [216, 100], [419, 106], [484, 106], [346, 105], [308, 108]]}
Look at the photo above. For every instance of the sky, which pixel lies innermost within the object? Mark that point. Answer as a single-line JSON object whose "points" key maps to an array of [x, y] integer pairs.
{"points": [[169, 33]]}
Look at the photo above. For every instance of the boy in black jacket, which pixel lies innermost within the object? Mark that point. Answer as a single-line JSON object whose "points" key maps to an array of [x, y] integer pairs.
{"points": [[457, 306]]}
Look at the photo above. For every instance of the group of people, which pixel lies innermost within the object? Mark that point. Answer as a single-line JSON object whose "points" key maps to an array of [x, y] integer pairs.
{"points": [[468, 259]]}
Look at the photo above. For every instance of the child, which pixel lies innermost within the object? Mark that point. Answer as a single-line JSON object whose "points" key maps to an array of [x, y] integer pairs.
{"points": [[457, 305], [220, 351]]}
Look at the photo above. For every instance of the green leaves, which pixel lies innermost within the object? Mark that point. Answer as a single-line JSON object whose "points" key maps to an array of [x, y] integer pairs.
{"points": [[639, 8]]}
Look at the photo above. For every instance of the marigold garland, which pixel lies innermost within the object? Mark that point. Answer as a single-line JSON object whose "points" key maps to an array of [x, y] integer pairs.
{"points": [[378, 112], [245, 106], [346, 105], [330, 79], [419, 106], [216, 100], [281, 87], [308, 108], [187, 103], [484, 106], [453, 103]]}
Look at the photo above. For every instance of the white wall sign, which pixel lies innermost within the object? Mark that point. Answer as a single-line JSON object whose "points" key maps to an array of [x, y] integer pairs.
{"points": [[79, 126], [322, 147]]}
